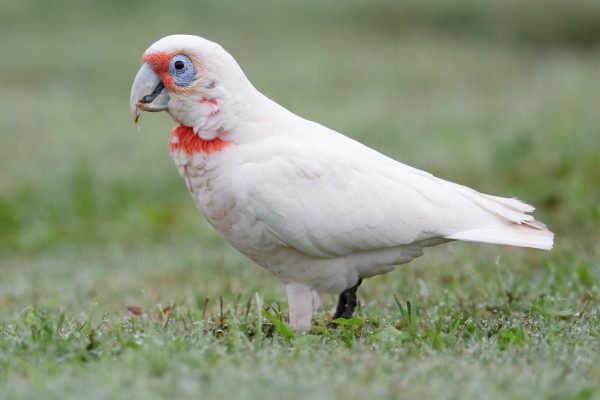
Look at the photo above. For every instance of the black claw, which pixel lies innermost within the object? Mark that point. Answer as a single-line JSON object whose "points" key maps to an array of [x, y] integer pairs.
{"points": [[347, 302]]}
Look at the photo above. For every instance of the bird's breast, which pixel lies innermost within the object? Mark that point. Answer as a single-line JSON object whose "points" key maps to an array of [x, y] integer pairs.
{"points": [[209, 180]]}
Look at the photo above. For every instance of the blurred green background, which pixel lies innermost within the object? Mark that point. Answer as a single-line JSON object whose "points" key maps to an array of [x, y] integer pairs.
{"points": [[502, 96]]}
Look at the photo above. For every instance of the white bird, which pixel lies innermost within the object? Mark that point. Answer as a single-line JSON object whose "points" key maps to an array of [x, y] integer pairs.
{"points": [[315, 208]]}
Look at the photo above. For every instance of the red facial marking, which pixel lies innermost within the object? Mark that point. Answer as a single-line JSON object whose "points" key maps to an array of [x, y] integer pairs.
{"points": [[210, 101], [159, 62], [184, 138]]}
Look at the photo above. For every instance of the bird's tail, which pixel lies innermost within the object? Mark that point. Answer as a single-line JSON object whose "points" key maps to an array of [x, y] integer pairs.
{"points": [[522, 235], [514, 227]]}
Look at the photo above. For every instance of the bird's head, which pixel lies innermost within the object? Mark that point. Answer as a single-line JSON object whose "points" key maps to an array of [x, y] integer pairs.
{"points": [[195, 80]]}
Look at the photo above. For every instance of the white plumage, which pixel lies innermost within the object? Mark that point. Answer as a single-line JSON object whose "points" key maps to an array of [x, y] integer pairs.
{"points": [[316, 208]]}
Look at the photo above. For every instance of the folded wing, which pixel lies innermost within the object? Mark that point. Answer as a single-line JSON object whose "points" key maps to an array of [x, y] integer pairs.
{"points": [[331, 201]]}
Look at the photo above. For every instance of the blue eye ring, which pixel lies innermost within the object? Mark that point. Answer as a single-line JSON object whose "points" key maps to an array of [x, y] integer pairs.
{"points": [[182, 69]]}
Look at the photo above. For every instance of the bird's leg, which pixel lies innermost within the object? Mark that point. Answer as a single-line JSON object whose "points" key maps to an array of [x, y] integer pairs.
{"points": [[300, 304], [346, 304]]}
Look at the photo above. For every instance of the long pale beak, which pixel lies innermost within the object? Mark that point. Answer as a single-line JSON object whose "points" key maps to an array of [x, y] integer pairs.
{"points": [[147, 93]]}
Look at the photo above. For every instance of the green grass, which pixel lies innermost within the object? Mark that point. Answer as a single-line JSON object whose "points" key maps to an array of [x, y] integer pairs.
{"points": [[94, 219]]}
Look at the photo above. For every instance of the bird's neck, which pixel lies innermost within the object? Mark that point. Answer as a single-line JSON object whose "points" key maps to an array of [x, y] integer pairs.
{"points": [[211, 124], [211, 114]]}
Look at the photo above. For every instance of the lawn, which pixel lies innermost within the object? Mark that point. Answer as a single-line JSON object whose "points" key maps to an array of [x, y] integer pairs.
{"points": [[112, 285]]}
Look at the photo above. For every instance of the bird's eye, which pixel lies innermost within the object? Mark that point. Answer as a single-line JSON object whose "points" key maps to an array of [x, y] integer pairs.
{"points": [[181, 68]]}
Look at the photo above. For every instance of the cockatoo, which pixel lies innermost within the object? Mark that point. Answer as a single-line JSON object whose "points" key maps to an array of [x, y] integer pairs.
{"points": [[317, 209]]}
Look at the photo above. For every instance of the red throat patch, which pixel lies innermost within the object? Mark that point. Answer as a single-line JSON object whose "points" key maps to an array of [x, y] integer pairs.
{"points": [[183, 138]]}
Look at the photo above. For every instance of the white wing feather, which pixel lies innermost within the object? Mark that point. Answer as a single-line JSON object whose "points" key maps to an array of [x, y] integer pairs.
{"points": [[340, 197]]}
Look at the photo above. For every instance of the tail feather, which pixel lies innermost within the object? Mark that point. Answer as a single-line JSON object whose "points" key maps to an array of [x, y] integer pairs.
{"points": [[505, 221], [522, 235], [513, 203], [512, 209]]}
